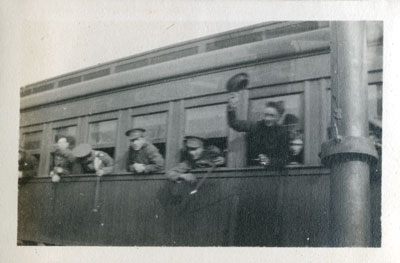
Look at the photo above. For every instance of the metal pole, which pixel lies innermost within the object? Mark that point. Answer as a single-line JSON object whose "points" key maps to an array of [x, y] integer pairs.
{"points": [[350, 152]]}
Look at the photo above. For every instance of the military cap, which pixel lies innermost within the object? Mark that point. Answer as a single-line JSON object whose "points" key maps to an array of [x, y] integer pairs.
{"points": [[135, 133], [82, 150], [194, 141], [237, 82]]}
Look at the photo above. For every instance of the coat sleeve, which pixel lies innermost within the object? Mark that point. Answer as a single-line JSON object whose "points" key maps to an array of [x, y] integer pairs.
{"points": [[282, 156], [108, 163], [181, 168], [239, 125], [156, 160]]}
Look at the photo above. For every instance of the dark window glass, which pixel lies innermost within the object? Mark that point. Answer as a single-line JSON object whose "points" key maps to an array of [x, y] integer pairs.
{"points": [[68, 131], [32, 140], [102, 132], [102, 136]]}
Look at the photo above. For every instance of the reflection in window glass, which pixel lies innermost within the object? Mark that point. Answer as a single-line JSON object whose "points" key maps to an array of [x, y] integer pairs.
{"points": [[155, 125], [68, 131], [102, 132], [32, 140], [209, 122]]}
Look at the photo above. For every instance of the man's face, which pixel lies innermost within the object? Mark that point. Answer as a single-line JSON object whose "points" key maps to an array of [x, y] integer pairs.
{"points": [[137, 144], [62, 144], [271, 116], [296, 146], [195, 153]]}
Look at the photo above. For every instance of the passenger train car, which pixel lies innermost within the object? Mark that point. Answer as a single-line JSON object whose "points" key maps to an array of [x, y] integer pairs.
{"points": [[180, 90]]}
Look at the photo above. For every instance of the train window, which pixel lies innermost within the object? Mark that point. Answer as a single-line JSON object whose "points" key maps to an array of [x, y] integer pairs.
{"points": [[209, 122], [68, 131], [32, 140], [156, 128], [292, 119], [102, 136], [65, 130], [32, 143]]}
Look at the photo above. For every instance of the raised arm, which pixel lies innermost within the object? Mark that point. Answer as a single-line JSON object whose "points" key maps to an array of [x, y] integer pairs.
{"points": [[233, 122]]}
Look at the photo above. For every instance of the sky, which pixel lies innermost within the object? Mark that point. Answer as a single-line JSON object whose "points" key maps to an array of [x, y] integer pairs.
{"points": [[57, 37], [55, 42]]}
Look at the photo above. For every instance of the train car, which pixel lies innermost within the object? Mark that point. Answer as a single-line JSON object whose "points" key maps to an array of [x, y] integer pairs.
{"points": [[180, 90]]}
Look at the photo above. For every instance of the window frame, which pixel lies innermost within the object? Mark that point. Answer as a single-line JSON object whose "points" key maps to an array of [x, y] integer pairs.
{"points": [[102, 117]]}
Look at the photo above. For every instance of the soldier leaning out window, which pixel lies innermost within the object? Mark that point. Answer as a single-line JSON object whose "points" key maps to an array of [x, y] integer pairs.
{"points": [[62, 158], [268, 140], [143, 156], [93, 161], [195, 155]]}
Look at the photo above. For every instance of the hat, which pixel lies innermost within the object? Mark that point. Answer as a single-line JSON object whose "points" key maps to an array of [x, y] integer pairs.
{"points": [[82, 150], [237, 82], [194, 141], [135, 133]]}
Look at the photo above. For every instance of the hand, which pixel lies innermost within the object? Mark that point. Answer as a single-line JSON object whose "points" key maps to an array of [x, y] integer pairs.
{"points": [[219, 160], [233, 100], [139, 167], [189, 177], [55, 178], [20, 174], [264, 160], [97, 163], [58, 170], [100, 172]]}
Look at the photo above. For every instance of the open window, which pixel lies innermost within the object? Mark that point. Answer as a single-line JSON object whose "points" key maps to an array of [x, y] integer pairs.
{"points": [[156, 128], [67, 130], [32, 143], [209, 122], [102, 136], [292, 118]]}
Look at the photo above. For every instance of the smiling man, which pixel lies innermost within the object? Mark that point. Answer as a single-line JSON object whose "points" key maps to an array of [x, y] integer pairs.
{"points": [[268, 142], [143, 157]]}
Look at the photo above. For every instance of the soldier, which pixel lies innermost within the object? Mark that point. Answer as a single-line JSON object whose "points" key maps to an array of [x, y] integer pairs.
{"points": [[195, 155], [27, 165], [143, 157], [268, 142], [63, 159], [93, 161]]}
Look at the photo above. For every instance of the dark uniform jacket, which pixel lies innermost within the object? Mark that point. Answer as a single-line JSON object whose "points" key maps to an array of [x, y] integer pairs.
{"points": [[147, 155], [28, 165], [270, 141], [206, 159], [63, 159], [107, 163]]}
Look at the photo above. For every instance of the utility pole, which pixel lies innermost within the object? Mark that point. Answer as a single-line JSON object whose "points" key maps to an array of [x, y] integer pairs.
{"points": [[350, 152]]}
